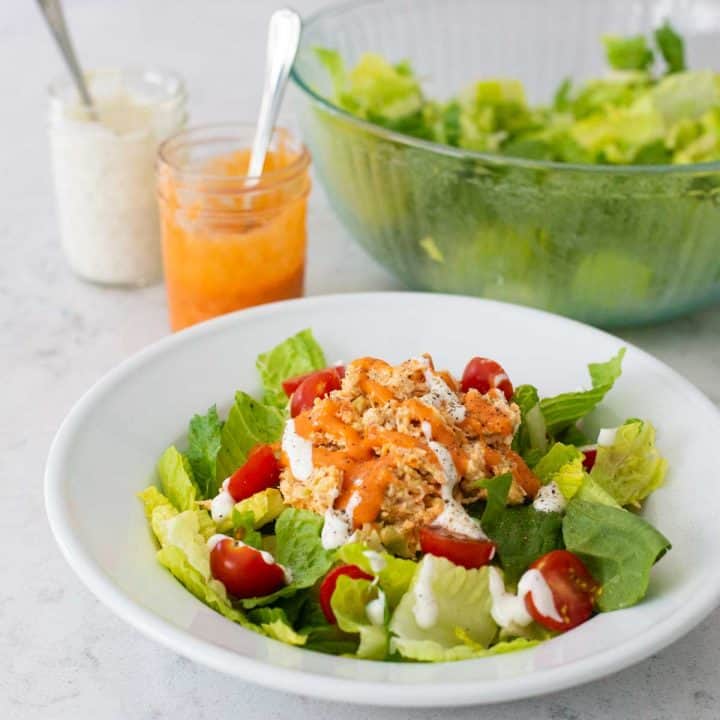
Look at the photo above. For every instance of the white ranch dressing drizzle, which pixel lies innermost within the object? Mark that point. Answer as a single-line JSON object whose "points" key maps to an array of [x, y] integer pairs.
{"points": [[534, 583], [508, 610], [375, 609], [223, 503], [549, 498], [425, 608], [453, 518], [299, 452], [440, 396], [335, 530]]}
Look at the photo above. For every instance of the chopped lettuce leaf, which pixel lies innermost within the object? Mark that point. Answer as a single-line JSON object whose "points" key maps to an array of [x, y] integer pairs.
{"points": [[497, 488], [176, 479], [265, 506], [627, 53], [686, 95], [618, 548], [566, 409], [563, 465], [243, 525], [395, 576], [299, 549], [499, 648], [591, 491], [275, 624], [671, 47], [249, 423], [297, 355], [211, 592], [203, 448], [334, 64], [522, 534], [349, 604], [530, 441], [462, 604], [151, 498], [631, 468], [183, 531]]}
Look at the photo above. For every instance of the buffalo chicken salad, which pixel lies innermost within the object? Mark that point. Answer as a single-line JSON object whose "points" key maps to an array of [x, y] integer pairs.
{"points": [[396, 512]]}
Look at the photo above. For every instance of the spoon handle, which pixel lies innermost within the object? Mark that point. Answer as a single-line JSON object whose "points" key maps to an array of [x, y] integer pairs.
{"points": [[283, 41], [52, 11]]}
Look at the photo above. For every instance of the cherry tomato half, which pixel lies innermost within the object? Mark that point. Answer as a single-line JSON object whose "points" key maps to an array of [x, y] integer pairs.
{"points": [[327, 587], [291, 384], [243, 570], [260, 471], [317, 385], [589, 457], [573, 590], [483, 374], [461, 550]]}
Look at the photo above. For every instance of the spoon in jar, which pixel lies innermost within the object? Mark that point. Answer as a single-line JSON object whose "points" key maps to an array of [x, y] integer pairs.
{"points": [[52, 11], [282, 46]]}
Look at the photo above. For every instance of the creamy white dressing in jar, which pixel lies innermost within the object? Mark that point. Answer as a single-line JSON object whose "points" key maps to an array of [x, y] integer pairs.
{"points": [[105, 171]]}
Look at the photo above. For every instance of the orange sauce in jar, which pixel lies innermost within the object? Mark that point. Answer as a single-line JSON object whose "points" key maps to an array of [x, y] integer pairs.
{"points": [[230, 241]]}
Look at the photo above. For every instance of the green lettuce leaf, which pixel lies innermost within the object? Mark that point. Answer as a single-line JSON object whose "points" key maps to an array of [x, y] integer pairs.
{"points": [[210, 592], [627, 53], [686, 95], [530, 440], [298, 548], [297, 355], [497, 488], [563, 465], [671, 47], [176, 479], [202, 452], [349, 603], [618, 548], [274, 623], [631, 468], [265, 506], [463, 603], [334, 64], [394, 578], [522, 534], [243, 525], [151, 498], [591, 491], [249, 423], [501, 647], [563, 410]]}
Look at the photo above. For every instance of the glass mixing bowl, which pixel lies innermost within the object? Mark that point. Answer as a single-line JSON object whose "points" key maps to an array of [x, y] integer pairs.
{"points": [[611, 245]]}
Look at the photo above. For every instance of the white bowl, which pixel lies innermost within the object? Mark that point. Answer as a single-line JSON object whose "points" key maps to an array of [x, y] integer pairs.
{"points": [[107, 447]]}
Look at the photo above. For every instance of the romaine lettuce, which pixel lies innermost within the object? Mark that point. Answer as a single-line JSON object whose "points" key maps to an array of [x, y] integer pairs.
{"points": [[631, 468], [249, 423], [297, 355], [176, 479], [462, 604], [203, 448], [618, 548]]}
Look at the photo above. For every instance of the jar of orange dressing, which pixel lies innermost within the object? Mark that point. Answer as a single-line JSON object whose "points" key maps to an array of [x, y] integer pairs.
{"points": [[230, 241]]}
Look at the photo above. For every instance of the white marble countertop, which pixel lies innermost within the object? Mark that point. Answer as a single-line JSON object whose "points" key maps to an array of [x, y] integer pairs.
{"points": [[63, 655]]}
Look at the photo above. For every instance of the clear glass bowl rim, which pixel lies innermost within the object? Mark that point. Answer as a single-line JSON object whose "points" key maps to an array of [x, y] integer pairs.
{"points": [[489, 158]]}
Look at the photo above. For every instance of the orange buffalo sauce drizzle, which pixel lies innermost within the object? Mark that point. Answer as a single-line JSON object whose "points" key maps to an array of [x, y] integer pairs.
{"points": [[364, 473]]}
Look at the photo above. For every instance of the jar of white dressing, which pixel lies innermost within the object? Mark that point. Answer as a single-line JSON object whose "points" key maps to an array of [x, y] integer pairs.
{"points": [[104, 171]]}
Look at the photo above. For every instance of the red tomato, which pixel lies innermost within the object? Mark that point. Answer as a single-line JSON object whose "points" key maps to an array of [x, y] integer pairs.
{"points": [[260, 471], [589, 457], [243, 570], [291, 384], [573, 590], [317, 385], [462, 551], [484, 374], [327, 587]]}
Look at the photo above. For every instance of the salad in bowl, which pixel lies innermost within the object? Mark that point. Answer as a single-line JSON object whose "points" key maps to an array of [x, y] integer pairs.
{"points": [[397, 512]]}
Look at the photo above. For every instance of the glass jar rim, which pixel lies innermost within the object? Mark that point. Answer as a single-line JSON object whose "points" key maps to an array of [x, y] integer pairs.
{"points": [[171, 81], [231, 131]]}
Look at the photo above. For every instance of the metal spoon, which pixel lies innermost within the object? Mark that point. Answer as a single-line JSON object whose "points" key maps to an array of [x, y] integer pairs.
{"points": [[52, 11], [282, 46]]}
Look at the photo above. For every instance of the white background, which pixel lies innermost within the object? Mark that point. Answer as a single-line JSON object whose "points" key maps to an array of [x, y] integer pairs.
{"points": [[62, 655]]}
